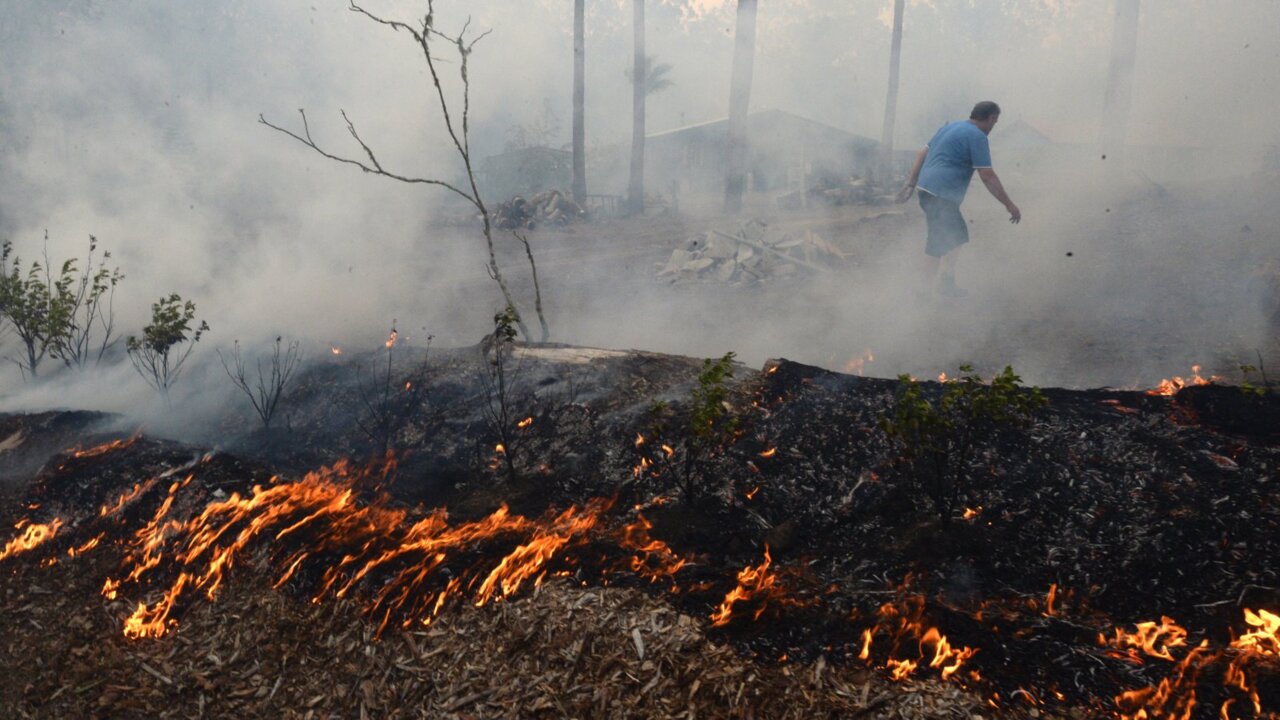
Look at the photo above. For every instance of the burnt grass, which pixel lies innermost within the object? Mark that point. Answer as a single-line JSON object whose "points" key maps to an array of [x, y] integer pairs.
{"points": [[1131, 506]]}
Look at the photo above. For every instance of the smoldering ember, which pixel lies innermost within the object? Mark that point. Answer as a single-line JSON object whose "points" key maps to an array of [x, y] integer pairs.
{"points": [[419, 358]]}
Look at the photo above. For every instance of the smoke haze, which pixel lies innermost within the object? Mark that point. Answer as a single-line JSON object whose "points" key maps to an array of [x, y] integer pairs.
{"points": [[136, 122]]}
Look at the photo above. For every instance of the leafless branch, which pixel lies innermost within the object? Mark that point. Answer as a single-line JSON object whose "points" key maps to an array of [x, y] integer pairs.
{"points": [[375, 169], [537, 289]]}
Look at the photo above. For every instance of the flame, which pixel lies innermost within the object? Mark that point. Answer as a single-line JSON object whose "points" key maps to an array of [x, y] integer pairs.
{"points": [[335, 349], [653, 559], [639, 439], [769, 452], [32, 536], [126, 498], [942, 377], [857, 365], [1171, 386], [1152, 639], [85, 547], [902, 624], [973, 512], [391, 339], [751, 494], [525, 423], [1049, 599], [500, 448], [1176, 695], [401, 570], [756, 582], [104, 448], [668, 450], [1265, 639]]}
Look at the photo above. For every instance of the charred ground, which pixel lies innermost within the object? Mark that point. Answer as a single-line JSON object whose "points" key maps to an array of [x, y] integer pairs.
{"points": [[1108, 508]]}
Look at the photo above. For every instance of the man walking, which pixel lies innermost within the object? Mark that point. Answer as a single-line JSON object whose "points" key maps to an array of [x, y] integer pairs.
{"points": [[942, 172]]}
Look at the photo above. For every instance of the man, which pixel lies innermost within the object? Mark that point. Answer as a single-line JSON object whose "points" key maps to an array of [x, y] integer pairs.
{"points": [[942, 172]]}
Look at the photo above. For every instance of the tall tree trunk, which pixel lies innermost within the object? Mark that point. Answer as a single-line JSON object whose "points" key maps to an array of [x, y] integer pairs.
{"points": [[579, 103], [635, 188], [744, 51], [884, 168], [1119, 99]]}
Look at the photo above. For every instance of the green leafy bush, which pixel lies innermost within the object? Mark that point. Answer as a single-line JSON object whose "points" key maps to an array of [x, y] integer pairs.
{"points": [[937, 438], [65, 315], [711, 428], [162, 351]]}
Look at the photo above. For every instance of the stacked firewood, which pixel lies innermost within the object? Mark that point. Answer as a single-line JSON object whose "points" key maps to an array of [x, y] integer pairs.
{"points": [[752, 252], [552, 206]]}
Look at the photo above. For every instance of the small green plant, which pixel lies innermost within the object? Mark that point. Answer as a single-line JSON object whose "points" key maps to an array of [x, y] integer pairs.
{"points": [[67, 315], [937, 438], [162, 351], [711, 429], [1247, 386], [273, 376], [501, 384]]}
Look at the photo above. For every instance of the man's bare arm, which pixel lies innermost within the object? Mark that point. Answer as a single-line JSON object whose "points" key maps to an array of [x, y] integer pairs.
{"points": [[992, 181], [905, 193]]}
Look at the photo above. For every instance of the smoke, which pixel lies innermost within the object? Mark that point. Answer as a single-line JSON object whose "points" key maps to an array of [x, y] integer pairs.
{"points": [[137, 123]]}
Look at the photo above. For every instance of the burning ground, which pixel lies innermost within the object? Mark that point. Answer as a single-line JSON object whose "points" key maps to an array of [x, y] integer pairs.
{"points": [[567, 547]]}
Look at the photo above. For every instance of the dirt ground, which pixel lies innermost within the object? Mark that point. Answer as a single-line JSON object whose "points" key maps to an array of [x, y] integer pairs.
{"points": [[1091, 289]]}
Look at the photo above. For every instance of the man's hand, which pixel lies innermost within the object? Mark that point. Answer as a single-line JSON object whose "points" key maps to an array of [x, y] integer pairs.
{"points": [[905, 193], [1015, 215]]}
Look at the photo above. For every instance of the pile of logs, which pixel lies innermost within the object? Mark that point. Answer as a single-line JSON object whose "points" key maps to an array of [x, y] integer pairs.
{"points": [[552, 207], [751, 253]]}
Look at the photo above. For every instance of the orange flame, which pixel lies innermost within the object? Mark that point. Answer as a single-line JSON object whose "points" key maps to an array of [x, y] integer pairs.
{"points": [[653, 559], [525, 423], [391, 339], [104, 448], [32, 536], [858, 364], [753, 583], [1172, 386], [902, 624], [769, 452], [1152, 639], [335, 349]]}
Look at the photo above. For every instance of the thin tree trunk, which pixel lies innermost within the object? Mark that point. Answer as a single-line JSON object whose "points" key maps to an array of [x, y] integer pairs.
{"points": [[635, 188], [884, 167], [579, 103], [1119, 98], [739, 102]]}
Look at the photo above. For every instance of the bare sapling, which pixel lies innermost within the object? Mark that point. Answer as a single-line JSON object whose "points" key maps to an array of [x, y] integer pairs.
{"points": [[457, 124], [386, 405], [273, 374]]}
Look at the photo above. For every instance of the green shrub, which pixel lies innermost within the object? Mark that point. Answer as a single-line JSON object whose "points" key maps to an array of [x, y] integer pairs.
{"points": [[937, 439], [165, 345]]}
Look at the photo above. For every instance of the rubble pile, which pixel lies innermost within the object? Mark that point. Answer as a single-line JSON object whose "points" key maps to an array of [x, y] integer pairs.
{"points": [[751, 253], [550, 207]]}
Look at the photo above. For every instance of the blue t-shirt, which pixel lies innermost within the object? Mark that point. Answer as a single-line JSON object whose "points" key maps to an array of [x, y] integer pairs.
{"points": [[954, 153]]}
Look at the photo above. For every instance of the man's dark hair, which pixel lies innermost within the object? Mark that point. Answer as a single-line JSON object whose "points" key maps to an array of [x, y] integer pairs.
{"points": [[984, 110]]}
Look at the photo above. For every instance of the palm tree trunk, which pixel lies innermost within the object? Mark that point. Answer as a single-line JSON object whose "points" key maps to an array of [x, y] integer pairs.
{"points": [[1119, 98], [739, 102], [635, 188], [579, 103], [884, 168]]}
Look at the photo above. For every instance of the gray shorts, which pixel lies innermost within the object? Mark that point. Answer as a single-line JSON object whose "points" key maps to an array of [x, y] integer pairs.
{"points": [[947, 228]]}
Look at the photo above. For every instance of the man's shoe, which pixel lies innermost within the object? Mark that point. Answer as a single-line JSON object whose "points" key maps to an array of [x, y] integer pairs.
{"points": [[948, 288]]}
